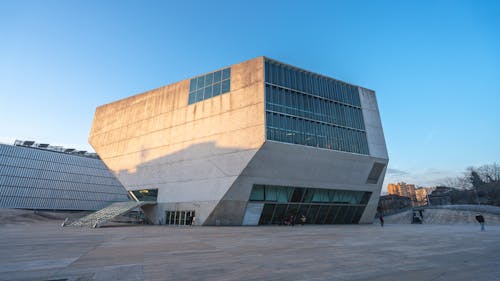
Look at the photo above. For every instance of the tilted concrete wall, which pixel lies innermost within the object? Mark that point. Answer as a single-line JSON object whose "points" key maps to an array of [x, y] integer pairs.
{"points": [[191, 153], [297, 165], [376, 145], [207, 156]]}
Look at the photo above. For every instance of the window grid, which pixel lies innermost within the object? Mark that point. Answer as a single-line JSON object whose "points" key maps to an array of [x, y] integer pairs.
{"points": [[209, 85], [312, 110], [285, 204]]}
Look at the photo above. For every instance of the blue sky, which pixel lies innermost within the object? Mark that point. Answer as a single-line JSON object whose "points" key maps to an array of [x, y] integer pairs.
{"points": [[435, 65]]}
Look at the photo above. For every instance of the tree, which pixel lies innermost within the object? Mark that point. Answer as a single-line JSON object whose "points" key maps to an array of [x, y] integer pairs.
{"points": [[479, 184]]}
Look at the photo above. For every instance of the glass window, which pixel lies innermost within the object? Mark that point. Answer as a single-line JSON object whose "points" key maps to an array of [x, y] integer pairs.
{"points": [[226, 73], [209, 85], [267, 214], [279, 214], [208, 92], [271, 193], [323, 113], [192, 85], [217, 76], [216, 89], [226, 86], [209, 79], [257, 193], [201, 82]]}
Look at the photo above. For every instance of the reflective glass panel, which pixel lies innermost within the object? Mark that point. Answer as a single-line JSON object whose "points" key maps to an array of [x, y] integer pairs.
{"points": [[209, 85]]}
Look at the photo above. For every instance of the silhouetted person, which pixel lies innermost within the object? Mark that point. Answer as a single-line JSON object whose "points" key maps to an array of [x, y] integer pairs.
{"points": [[302, 219], [480, 220], [381, 218], [380, 215], [421, 213]]}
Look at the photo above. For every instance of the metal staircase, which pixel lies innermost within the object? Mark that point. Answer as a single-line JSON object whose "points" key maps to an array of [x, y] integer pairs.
{"points": [[107, 214]]}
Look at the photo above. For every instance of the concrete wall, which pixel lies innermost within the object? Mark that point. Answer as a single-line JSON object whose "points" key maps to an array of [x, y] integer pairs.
{"points": [[297, 165], [373, 124], [207, 156], [376, 144], [191, 153]]}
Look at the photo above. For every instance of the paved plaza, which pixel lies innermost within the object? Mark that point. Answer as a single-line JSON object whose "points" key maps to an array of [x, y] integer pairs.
{"points": [[45, 251]]}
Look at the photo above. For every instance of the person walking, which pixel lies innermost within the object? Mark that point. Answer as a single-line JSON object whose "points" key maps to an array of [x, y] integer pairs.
{"points": [[381, 218], [380, 215], [480, 220]]}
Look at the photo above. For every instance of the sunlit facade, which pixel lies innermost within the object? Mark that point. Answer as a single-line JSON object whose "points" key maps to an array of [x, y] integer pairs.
{"points": [[254, 143]]}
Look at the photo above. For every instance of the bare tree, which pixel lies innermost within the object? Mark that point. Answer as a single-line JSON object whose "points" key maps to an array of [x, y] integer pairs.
{"points": [[457, 182], [489, 173]]}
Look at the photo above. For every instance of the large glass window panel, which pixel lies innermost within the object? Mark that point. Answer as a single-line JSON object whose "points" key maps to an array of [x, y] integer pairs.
{"points": [[308, 197], [226, 73], [351, 211], [216, 89], [357, 214], [192, 85], [217, 76], [293, 210], [208, 92], [297, 194], [226, 86], [209, 79], [332, 213], [201, 82], [311, 214], [283, 194], [267, 214], [271, 194], [279, 214], [339, 218], [365, 198], [321, 216], [257, 193], [199, 95]]}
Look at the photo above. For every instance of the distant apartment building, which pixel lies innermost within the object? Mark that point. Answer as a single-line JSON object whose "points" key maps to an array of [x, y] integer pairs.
{"points": [[418, 196], [402, 189]]}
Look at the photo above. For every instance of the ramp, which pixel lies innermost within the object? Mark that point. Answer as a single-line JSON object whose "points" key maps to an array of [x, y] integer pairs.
{"points": [[107, 214]]}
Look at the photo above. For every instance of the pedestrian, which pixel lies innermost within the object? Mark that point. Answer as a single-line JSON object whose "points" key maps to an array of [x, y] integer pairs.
{"points": [[381, 218], [421, 213], [302, 219], [193, 220], [292, 220], [480, 220], [380, 215]]}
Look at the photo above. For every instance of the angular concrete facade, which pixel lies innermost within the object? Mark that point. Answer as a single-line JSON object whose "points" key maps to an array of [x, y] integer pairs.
{"points": [[208, 155]]}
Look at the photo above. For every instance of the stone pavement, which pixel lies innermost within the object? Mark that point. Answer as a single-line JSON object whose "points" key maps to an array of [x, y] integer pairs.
{"points": [[44, 251]]}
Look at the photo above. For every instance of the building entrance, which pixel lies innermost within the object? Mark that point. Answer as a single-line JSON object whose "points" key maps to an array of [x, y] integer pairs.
{"points": [[186, 217]]}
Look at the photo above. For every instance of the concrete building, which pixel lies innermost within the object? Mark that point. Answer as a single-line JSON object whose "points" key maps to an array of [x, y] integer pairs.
{"points": [[254, 143], [43, 177], [418, 196], [402, 189]]}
